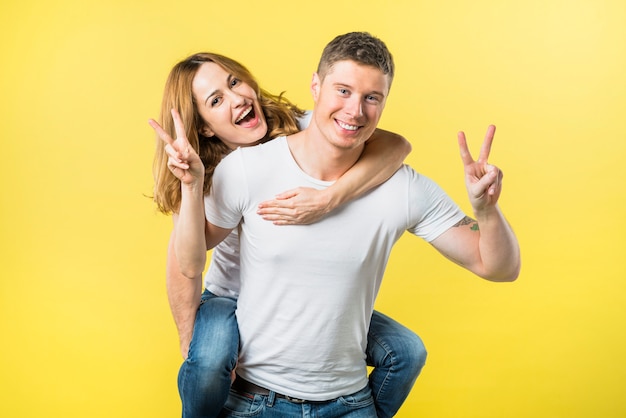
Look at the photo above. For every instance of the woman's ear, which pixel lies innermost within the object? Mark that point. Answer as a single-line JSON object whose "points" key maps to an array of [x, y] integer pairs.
{"points": [[206, 131]]}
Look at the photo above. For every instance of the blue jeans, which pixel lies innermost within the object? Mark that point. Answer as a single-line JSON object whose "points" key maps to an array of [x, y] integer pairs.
{"points": [[357, 405], [204, 378], [396, 353]]}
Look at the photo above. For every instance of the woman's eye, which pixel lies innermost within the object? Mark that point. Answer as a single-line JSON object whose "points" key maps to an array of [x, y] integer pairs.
{"points": [[215, 101], [234, 82], [343, 91]]}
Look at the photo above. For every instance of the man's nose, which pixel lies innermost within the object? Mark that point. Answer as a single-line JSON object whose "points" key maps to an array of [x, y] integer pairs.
{"points": [[355, 107]]}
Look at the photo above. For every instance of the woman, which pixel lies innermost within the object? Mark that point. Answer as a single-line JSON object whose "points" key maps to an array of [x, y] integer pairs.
{"points": [[222, 107]]}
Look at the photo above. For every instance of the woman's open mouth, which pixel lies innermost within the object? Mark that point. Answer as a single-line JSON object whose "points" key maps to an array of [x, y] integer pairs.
{"points": [[247, 117]]}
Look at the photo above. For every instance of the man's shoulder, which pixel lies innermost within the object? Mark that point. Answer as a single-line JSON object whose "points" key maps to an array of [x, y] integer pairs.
{"points": [[407, 172], [407, 178]]}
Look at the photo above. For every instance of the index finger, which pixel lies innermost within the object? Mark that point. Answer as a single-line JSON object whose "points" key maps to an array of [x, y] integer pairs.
{"points": [[485, 149], [178, 125], [160, 131], [466, 156]]}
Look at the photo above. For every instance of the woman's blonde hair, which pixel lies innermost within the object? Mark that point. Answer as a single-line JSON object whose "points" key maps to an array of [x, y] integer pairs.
{"points": [[281, 116]]}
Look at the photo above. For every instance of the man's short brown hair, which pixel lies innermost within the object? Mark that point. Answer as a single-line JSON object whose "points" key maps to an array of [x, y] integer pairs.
{"points": [[360, 47]]}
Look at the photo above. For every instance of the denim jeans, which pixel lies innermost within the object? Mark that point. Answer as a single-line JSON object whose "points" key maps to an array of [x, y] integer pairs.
{"points": [[396, 353], [357, 405], [204, 378]]}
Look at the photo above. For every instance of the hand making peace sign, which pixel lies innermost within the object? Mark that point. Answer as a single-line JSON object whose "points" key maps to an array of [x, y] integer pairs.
{"points": [[183, 161], [483, 180]]}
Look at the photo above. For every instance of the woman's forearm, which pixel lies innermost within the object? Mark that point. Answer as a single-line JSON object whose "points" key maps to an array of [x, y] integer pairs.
{"points": [[190, 242], [384, 153], [183, 295]]}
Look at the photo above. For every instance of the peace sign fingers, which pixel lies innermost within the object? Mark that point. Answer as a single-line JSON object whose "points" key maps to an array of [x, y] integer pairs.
{"points": [[485, 149], [183, 160], [483, 180], [175, 157]]}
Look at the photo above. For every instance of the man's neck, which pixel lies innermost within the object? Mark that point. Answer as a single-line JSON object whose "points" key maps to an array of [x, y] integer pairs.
{"points": [[319, 158]]}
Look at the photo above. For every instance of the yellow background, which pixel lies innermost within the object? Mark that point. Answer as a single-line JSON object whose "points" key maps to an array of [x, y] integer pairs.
{"points": [[86, 329]]}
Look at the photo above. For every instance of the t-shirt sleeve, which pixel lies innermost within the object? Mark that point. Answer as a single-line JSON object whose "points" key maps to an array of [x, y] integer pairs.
{"points": [[224, 204], [432, 211]]}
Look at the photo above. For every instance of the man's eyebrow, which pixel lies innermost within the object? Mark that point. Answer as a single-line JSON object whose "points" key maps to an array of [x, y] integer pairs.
{"points": [[372, 93], [377, 93], [341, 84]]}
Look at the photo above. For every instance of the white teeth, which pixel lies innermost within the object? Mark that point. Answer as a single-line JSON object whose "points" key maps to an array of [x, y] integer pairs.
{"points": [[244, 114], [348, 127]]}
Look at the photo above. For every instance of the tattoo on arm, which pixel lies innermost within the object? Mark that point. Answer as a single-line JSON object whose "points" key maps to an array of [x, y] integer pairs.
{"points": [[468, 221]]}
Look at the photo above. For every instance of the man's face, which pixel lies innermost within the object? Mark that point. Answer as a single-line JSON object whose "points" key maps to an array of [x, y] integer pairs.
{"points": [[349, 102]]}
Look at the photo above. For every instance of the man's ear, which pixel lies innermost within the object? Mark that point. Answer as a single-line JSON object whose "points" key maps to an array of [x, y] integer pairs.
{"points": [[206, 131], [315, 86]]}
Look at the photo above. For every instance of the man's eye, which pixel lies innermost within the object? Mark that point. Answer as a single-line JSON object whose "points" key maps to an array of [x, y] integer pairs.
{"points": [[343, 91]]}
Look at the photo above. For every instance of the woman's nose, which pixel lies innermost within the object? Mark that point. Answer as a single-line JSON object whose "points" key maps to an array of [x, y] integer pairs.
{"points": [[237, 99]]}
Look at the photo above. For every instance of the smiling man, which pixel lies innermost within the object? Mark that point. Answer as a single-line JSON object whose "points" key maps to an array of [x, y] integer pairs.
{"points": [[308, 292]]}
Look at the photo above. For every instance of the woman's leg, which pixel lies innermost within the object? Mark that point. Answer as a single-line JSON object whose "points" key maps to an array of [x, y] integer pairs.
{"points": [[204, 378], [397, 355]]}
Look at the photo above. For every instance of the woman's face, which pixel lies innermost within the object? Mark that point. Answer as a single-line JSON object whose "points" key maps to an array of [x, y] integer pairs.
{"points": [[229, 107]]}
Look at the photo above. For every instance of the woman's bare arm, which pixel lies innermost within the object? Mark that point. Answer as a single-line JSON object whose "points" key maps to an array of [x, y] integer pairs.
{"points": [[383, 154], [183, 295]]}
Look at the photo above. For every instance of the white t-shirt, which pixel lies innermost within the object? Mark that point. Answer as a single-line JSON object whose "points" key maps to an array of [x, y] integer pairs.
{"points": [[222, 276], [307, 292]]}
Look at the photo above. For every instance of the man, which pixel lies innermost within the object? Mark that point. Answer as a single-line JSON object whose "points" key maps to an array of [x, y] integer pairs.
{"points": [[307, 292]]}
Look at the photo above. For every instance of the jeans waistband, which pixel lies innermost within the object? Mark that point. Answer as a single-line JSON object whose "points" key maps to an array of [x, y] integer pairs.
{"points": [[241, 385]]}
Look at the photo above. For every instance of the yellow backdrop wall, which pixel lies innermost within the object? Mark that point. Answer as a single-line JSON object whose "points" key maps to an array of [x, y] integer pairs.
{"points": [[86, 329]]}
